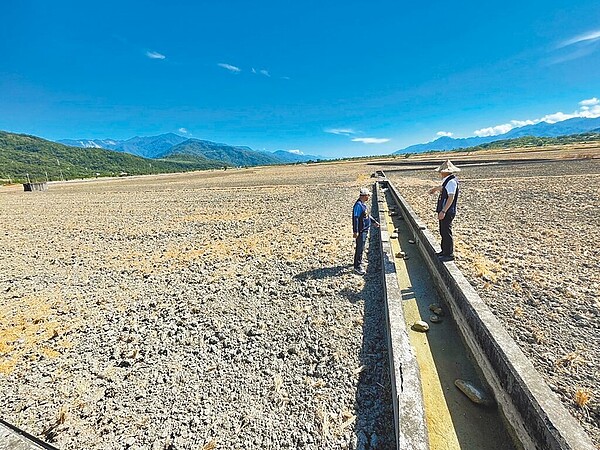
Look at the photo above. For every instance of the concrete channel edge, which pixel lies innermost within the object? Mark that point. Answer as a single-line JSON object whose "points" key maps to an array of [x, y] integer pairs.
{"points": [[409, 412], [536, 415], [13, 438]]}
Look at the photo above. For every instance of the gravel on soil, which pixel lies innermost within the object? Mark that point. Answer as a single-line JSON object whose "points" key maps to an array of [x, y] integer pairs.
{"points": [[193, 311]]}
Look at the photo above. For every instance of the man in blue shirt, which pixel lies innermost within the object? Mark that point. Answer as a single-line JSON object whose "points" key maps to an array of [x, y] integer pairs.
{"points": [[361, 222]]}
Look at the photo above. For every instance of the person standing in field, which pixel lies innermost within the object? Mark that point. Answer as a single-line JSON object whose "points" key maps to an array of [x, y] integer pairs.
{"points": [[361, 222], [446, 207]]}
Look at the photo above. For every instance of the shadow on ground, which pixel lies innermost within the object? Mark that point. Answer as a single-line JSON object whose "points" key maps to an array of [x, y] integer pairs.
{"points": [[374, 414], [374, 426], [321, 273]]}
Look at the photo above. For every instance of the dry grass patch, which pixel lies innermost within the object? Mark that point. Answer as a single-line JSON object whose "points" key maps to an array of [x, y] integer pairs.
{"points": [[25, 328], [332, 425], [539, 336], [571, 361], [582, 397], [211, 445], [281, 395], [363, 178], [482, 267]]}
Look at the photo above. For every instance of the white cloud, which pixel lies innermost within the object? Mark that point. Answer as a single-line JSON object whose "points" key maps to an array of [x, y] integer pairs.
{"points": [[571, 56], [342, 131], [371, 140], [155, 55], [589, 108], [522, 123], [590, 113], [264, 72], [590, 36], [575, 48], [505, 127], [229, 67], [296, 152], [445, 133], [589, 102], [493, 131], [557, 117], [183, 130]]}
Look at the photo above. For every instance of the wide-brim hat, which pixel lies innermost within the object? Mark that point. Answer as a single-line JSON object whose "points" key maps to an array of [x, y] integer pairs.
{"points": [[447, 167]]}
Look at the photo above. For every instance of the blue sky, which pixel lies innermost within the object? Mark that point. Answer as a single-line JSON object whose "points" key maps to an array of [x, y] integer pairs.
{"points": [[334, 78]]}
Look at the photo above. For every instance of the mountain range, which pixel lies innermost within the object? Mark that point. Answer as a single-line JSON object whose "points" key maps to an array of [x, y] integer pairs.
{"points": [[24, 157], [191, 149], [171, 146], [576, 125]]}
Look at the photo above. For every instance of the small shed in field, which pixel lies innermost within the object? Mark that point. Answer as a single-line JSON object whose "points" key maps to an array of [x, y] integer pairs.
{"points": [[29, 187]]}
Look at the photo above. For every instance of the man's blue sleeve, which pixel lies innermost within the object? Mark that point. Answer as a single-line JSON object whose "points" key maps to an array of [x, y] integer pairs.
{"points": [[356, 215]]}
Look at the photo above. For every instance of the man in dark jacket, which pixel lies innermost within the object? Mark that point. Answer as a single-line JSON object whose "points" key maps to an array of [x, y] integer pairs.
{"points": [[446, 207], [361, 222]]}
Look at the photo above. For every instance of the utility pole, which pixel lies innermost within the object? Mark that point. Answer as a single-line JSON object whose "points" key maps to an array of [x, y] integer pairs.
{"points": [[60, 170]]}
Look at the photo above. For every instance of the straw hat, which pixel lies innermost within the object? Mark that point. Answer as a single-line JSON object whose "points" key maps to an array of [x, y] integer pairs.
{"points": [[447, 167]]}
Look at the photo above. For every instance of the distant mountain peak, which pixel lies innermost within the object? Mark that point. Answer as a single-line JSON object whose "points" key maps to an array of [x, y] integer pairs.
{"points": [[575, 125], [174, 146]]}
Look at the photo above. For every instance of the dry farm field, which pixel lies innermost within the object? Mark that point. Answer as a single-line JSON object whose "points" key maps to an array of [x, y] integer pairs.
{"points": [[192, 311], [218, 309]]}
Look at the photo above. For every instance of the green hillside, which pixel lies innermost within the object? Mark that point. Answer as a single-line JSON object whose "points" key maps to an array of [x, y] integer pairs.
{"points": [[235, 156], [23, 154], [533, 141]]}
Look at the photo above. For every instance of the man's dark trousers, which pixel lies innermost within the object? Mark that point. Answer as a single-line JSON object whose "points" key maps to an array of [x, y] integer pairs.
{"points": [[446, 233], [360, 247]]}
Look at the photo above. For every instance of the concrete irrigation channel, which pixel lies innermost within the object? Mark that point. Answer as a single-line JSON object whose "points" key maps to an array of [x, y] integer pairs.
{"points": [[12, 438], [469, 344]]}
